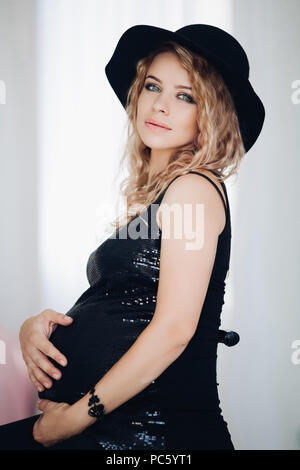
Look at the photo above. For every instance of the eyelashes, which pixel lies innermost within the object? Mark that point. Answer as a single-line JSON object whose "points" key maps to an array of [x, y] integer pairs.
{"points": [[190, 99]]}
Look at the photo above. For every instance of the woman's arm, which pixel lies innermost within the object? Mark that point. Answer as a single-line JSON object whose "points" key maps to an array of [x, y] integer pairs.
{"points": [[153, 351], [185, 270]]}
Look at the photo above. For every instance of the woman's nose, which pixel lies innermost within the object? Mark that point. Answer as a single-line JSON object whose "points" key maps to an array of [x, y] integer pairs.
{"points": [[161, 105]]}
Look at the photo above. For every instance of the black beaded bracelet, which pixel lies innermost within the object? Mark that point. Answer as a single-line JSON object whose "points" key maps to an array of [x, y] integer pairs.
{"points": [[96, 411]]}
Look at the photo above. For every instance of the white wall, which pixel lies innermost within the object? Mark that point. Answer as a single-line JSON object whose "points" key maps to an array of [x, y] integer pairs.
{"points": [[18, 163], [262, 382], [19, 280]]}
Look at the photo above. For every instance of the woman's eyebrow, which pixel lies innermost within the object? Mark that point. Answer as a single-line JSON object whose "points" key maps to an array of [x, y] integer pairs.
{"points": [[177, 86]]}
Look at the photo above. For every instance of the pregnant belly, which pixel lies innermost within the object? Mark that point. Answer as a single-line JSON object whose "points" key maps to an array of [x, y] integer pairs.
{"points": [[98, 337]]}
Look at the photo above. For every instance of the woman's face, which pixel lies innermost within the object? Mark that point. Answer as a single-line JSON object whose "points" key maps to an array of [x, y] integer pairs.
{"points": [[165, 100]]}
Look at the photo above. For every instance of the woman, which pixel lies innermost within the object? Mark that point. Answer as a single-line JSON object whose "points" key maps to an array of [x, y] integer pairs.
{"points": [[142, 343]]}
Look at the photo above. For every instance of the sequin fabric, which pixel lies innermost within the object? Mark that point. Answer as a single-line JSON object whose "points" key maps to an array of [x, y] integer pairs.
{"points": [[180, 407]]}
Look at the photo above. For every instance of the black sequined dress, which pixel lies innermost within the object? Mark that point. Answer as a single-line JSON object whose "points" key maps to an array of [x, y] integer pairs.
{"points": [[178, 410]]}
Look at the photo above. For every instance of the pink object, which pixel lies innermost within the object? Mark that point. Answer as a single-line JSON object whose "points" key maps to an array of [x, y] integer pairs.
{"points": [[18, 395]]}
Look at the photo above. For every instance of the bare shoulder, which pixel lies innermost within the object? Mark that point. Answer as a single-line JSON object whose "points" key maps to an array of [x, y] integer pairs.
{"points": [[190, 188], [214, 179]]}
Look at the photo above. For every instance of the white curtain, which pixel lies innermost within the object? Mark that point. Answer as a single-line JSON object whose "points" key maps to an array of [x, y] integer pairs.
{"points": [[81, 125]]}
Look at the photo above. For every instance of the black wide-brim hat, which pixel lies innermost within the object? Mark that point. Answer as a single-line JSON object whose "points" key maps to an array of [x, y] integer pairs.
{"points": [[218, 46]]}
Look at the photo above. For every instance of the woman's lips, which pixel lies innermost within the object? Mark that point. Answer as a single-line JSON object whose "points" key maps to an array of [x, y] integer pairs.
{"points": [[156, 128]]}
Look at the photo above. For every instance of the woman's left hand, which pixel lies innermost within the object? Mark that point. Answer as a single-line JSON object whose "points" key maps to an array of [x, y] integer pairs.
{"points": [[55, 424]]}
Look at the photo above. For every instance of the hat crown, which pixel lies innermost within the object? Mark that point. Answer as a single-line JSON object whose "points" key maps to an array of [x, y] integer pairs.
{"points": [[220, 43]]}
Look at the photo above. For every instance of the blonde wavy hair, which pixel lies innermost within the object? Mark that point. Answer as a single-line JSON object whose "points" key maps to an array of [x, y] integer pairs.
{"points": [[217, 144]]}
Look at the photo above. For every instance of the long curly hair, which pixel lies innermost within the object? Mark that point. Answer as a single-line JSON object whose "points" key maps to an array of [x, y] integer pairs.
{"points": [[216, 146]]}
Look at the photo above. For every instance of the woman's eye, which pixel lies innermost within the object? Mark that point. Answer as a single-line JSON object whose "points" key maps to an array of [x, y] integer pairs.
{"points": [[189, 98], [150, 84]]}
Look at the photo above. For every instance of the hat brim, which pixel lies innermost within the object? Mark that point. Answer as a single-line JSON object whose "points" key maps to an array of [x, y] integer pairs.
{"points": [[140, 40]]}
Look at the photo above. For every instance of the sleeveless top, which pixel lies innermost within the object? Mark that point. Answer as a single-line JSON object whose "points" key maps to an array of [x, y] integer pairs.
{"points": [[123, 273]]}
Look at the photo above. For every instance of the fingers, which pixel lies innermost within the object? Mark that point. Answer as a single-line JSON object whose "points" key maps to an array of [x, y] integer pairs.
{"points": [[48, 405], [38, 384], [41, 369], [50, 350], [44, 404], [49, 319], [40, 358], [60, 318], [38, 341], [35, 347], [39, 379]]}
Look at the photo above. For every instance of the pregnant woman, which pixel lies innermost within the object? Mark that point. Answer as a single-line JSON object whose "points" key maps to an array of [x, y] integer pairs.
{"points": [[141, 342]]}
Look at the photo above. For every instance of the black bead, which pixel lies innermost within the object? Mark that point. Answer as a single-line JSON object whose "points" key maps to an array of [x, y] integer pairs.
{"points": [[97, 411], [93, 399]]}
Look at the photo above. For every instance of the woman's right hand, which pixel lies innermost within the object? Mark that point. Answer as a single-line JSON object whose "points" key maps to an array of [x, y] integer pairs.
{"points": [[35, 346]]}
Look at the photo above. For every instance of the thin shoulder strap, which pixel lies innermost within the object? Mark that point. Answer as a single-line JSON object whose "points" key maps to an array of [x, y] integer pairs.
{"points": [[204, 176]]}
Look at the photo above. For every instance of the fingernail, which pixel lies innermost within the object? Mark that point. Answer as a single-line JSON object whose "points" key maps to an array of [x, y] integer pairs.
{"points": [[63, 362]]}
